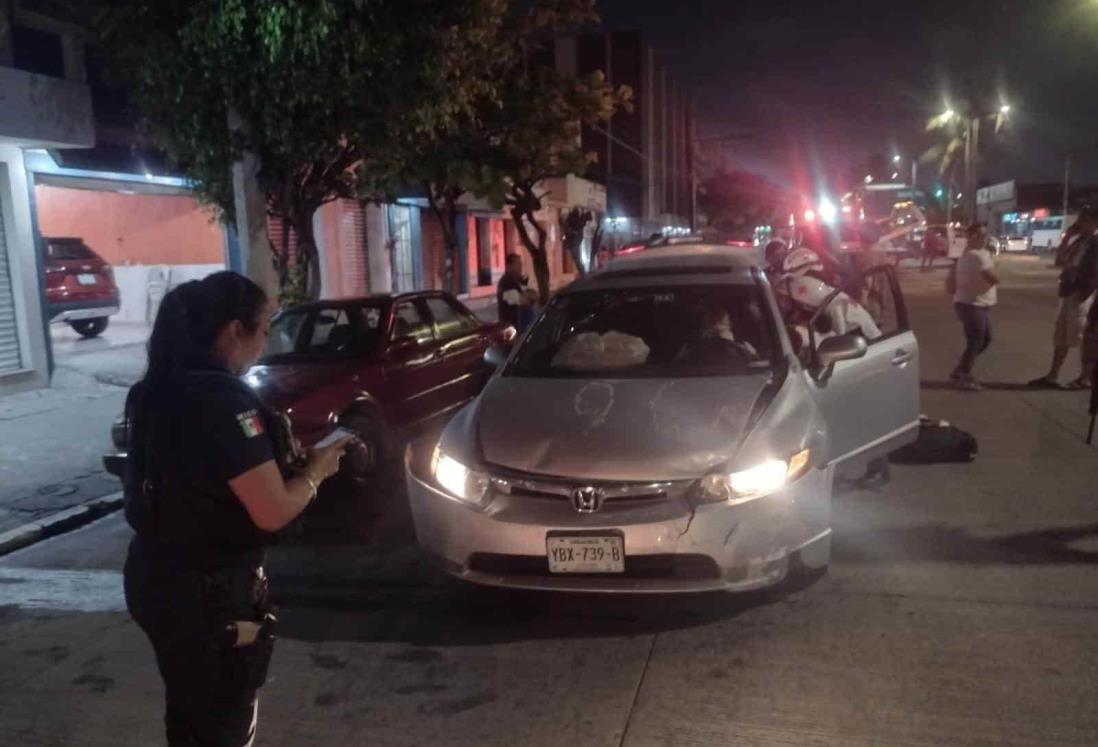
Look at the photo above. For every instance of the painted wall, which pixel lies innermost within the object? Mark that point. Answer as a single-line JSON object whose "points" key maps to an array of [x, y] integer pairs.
{"points": [[141, 287], [132, 229]]}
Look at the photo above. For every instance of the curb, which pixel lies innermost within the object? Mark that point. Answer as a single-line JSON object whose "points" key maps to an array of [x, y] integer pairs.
{"points": [[59, 523]]}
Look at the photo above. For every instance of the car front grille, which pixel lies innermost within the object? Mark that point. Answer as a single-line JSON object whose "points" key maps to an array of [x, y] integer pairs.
{"points": [[614, 494], [666, 566]]}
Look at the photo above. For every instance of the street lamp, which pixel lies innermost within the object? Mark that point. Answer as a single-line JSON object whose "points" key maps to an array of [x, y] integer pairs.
{"points": [[868, 178], [1004, 109], [896, 158]]}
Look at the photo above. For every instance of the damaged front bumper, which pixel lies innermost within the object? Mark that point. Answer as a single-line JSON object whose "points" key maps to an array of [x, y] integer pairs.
{"points": [[671, 544]]}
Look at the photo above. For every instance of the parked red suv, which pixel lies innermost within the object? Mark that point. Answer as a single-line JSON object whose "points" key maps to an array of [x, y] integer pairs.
{"points": [[80, 286], [379, 366]]}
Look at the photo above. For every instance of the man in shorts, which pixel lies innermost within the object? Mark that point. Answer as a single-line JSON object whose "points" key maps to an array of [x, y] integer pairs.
{"points": [[1076, 257]]}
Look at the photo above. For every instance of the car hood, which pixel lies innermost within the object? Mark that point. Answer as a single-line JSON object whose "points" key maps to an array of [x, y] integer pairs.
{"points": [[280, 385], [615, 429]]}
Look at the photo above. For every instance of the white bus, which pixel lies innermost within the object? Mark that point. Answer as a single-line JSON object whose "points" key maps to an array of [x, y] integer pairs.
{"points": [[1046, 233]]}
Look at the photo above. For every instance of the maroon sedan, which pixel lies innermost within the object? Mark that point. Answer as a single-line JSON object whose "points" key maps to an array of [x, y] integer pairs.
{"points": [[379, 366], [80, 286]]}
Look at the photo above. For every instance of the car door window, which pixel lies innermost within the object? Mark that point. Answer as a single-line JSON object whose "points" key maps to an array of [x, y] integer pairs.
{"points": [[878, 293], [450, 322], [870, 305], [331, 333], [410, 321]]}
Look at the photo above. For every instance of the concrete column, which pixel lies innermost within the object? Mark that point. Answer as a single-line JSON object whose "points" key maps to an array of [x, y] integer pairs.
{"points": [[23, 268], [72, 49]]}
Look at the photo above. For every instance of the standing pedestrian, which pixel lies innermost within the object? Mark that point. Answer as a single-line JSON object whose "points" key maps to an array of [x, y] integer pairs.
{"points": [[1074, 257], [208, 480], [514, 301], [975, 293], [932, 243]]}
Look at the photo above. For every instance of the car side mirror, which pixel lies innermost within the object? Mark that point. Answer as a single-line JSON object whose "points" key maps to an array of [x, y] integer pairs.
{"points": [[496, 355], [841, 348]]}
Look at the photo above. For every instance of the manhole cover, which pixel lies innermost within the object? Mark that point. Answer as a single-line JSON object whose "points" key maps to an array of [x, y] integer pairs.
{"points": [[57, 490]]}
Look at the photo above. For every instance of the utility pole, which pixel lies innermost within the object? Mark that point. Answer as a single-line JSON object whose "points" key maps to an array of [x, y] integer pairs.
{"points": [[1067, 187]]}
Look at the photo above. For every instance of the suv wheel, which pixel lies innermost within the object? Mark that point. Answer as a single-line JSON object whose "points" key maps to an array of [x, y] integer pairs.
{"points": [[90, 327]]}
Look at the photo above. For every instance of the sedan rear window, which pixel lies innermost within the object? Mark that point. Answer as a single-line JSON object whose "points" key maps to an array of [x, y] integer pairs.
{"points": [[326, 332], [708, 330], [69, 250]]}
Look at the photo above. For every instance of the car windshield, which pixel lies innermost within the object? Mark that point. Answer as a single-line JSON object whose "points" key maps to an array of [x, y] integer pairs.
{"points": [[709, 330], [324, 332]]}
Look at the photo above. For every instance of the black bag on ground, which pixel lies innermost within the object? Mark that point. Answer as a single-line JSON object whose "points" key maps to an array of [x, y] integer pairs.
{"points": [[938, 443]]}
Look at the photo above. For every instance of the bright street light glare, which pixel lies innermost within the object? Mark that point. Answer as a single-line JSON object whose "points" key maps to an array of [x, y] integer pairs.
{"points": [[949, 114], [868, 179], [1004, 109], [896, 159], [827, 210]]}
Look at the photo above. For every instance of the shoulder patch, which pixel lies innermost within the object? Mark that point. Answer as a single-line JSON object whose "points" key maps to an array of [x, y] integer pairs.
{"points": [[250, 423]]}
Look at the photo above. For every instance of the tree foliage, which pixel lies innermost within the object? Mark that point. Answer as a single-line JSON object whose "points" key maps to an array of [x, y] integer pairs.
{"points": [[522, 131], [314, 88]]}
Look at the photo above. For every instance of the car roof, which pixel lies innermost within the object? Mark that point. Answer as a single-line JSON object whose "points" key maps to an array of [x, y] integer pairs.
{"points": [[713, 261]]}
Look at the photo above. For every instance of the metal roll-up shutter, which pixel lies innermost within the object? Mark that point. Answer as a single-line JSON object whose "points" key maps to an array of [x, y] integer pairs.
{"points": [[9, 336]]}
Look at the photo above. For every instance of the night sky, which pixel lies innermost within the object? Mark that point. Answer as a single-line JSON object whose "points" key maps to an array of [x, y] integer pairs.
{"points": [[818, 85]]}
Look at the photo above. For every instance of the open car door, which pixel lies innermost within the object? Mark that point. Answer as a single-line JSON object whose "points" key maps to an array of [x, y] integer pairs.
{"points": [[870, 403]]}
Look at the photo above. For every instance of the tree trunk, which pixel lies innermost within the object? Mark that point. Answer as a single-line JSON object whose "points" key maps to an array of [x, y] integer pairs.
{"points": [[535, 246], [300, 220], [443, 204]]}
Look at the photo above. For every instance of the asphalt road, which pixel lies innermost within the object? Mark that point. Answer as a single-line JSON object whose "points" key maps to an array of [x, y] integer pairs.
{"points": [[960, 609]]}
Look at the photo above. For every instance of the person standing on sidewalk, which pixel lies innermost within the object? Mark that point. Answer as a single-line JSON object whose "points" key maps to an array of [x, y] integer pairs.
{"points": [[514, 300], [1075, 258], [974, 294], [208, 479]]}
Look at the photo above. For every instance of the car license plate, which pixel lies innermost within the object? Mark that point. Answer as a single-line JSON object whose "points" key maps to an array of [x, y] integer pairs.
{"points": [[586, 554], [86, 279]]}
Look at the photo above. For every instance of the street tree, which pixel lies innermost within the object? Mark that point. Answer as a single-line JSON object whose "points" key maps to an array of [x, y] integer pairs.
{"points": [[735, 202], [312, 88], [523, 131]]}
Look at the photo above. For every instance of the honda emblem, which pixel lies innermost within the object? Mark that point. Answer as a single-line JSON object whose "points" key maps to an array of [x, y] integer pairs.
{"points": [[587, 500]]}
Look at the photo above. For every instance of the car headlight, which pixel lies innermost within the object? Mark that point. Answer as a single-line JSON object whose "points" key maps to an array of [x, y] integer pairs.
{"points": [[459, 481], [755, 482]]}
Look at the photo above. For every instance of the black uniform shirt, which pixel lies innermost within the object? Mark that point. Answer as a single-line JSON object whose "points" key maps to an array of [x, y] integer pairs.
{"points": [[210, 429], [508, 312]]}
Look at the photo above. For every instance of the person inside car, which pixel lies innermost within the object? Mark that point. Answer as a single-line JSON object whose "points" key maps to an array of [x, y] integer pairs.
{"points": [[717, 342]]}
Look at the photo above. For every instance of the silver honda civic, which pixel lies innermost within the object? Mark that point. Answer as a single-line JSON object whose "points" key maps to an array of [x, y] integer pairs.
{"points": [[660, 429]]}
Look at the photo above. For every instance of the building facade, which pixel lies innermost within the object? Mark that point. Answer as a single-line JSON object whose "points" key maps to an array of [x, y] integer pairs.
{"points": [[46, 104], [1013, 209]]}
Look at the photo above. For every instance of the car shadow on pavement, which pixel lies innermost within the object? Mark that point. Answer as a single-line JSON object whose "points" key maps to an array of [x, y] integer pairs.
{"points": [[451, 613], [941, 543]]}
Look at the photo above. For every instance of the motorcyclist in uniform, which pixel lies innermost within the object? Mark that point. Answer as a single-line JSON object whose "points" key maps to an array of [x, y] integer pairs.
{"points": [[806, 290]]}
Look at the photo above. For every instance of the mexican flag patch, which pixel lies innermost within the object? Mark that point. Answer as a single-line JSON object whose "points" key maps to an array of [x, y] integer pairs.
{"points": [[250, 423]]}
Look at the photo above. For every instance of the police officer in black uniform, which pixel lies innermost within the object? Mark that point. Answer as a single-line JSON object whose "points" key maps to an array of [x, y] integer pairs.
{"points": [[210, 475]]}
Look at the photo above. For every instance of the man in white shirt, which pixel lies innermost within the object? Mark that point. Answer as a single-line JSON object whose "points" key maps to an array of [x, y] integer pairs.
{"points": [[975, 295]]}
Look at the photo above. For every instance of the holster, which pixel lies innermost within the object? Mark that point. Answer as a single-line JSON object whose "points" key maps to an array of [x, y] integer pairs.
{"points": [[232, 596]]}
